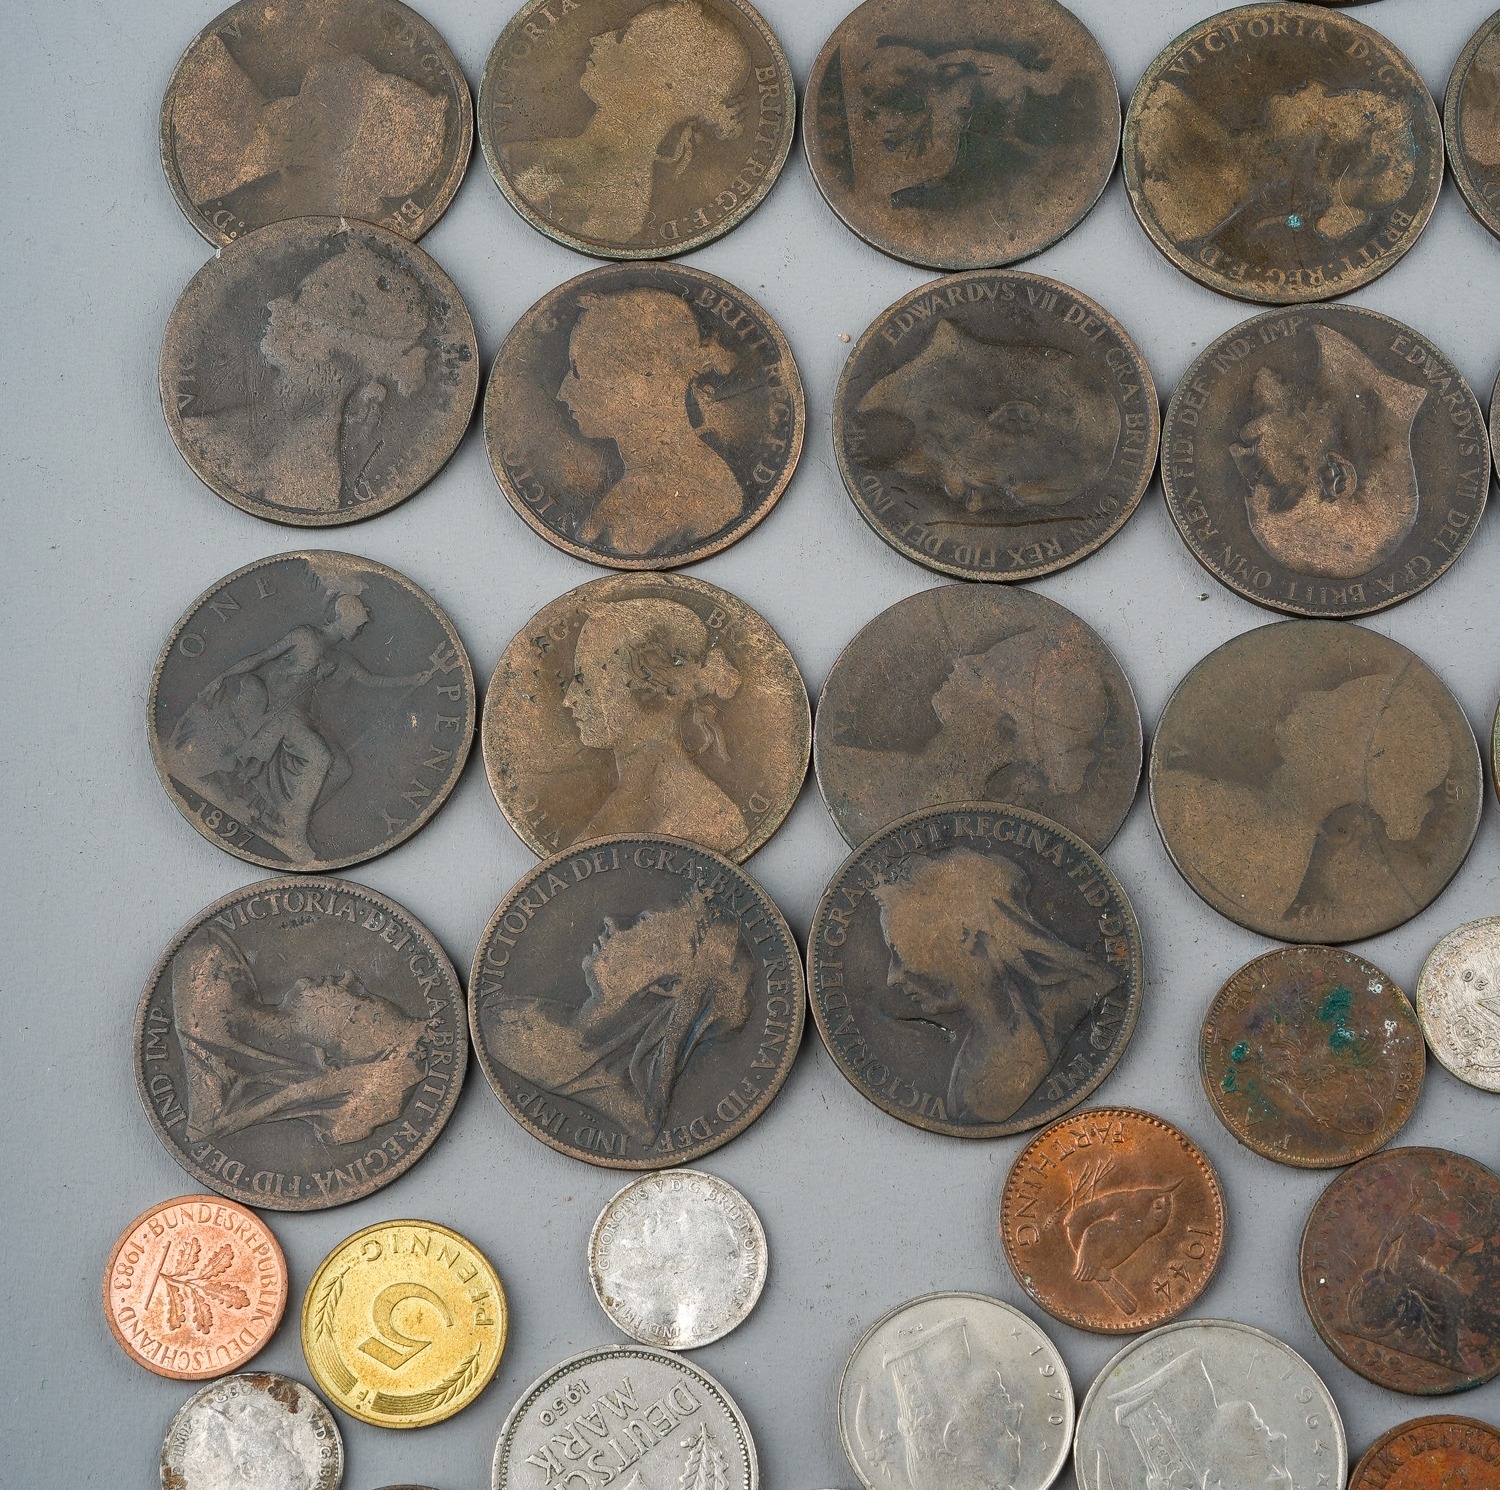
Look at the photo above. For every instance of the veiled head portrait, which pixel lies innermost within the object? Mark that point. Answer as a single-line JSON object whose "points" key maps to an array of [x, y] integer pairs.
{"points": [[245, 1441], [1480, 118]]}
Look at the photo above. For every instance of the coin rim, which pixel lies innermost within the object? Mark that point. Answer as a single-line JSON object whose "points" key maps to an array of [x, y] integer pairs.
{"points": [[1356, 1479], [1424, 991], [1458, 164]]}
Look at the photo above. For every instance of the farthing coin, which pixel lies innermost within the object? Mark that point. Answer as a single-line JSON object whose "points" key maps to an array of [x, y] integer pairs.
{"points": [[678, 1259], [636, 129], [1471, 123], [1282, 153], [1315, 781], [964, 694], [996, 426], [1458, 1002], [318, 371], [975, 970], [960, 134], [1326, 461], [311, 710], [647, 703], [300, 1044], [644, 415], [636, 1001], [1429, 1454]]}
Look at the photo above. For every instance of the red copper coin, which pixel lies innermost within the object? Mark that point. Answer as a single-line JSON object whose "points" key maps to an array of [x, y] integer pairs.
{"points": [[1437, 1453]]}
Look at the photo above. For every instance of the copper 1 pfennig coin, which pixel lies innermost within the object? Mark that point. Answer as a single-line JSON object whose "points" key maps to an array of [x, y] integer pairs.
{"points": [[1325, 461], [995, 426], [1471, 123], [1432, 1454], [300, 1044], [970, 694], [1112, 1220], [647, 703], [636, 129], [1400, 1267], [960, 134], [636, 1001], [975, 970], [1311, 1056], [1315, 781], [311, 710], [1458, 1002], [1282, 153], [644, 415]]}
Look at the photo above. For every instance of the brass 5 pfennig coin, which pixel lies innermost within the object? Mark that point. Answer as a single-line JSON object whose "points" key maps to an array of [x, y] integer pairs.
{"points": [[1458, 1002], [1326, 461], [1471, 123], [644, 415], [1432, 1454], [1282, 153]]}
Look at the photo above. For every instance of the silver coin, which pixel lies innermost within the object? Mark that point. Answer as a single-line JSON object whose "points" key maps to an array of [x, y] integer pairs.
{"points": [[955, 1391], [627, 1413], [1209, 1401], [1458, 1002], [678, 1259]]}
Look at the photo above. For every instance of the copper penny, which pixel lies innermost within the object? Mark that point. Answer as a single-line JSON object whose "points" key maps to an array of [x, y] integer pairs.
{"points": [[1471, 123], [1436, 1453], [1112, 1220]]}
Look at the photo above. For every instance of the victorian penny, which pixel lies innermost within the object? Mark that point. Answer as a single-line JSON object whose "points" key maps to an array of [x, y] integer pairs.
{"points": [[318, 371], [1112, 1220], [975, 970], [311, 710], [1312, 1056], [636, 1001], [300, 1044], [1326, 461], [194, 1287], [1458, 1002], [1282, 153], [647, 703], [305, 108], [1315, 781], [996, 426], [960, 134], [644, 415], [636, 129], [1432, 1454], [1471, 123], [963, 694]]}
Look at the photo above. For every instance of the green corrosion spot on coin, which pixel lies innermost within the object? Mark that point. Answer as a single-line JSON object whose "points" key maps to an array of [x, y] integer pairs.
{"points": [[1334, 1012], [1238, 1053]]}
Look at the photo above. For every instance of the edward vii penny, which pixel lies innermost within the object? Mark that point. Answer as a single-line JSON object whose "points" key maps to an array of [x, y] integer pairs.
{"points": [[1432, 1454], [1458, 1002], [1471, 123]]}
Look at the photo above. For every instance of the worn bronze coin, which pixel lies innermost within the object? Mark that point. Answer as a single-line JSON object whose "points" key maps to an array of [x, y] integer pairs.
{"points": [[996, 426], [961, 134], [644, 415], [1312, 1056], [1471, 123], [1325, 461], [300, 1044], [1400, 1267], [636, 1001], [975, 970], [316, 108], [647, 703], [1315, 781], [970, 694], [1282, 153], [1436, 1453], [636, 129], [1112, 1220]]}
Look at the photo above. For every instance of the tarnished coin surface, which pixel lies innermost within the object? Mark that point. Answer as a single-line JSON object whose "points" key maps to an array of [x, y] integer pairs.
{"points": [[1315, 782], [636, 1001], [1458, 1002], [316, 108], [970, 694], [955, 1391], [1312, 1056], [1400, 1266], [1282, 153], [644, 415], [1112, 1220], [678, 1259], [975, 970], [647, 703], [300, 1044], [995, 426], [1432, 1454], [318, 371], [960, 134], [1471, 123], [1325, 461], [311, 710], [636, 129]]}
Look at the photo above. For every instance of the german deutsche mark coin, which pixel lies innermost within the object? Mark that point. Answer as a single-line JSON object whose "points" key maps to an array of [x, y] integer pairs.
{"points": [[1458, 1002], [1431, 1454], [1471, 123]]}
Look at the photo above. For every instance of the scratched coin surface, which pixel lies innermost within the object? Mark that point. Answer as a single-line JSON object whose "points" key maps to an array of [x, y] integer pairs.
{"points": [[1282, 153], [1315, 781], [975, 970], [1431, 1454], [1471, 123], [644, 415], [1325, 461], [1458, 1002], [995, 426], [300, 1044]]}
